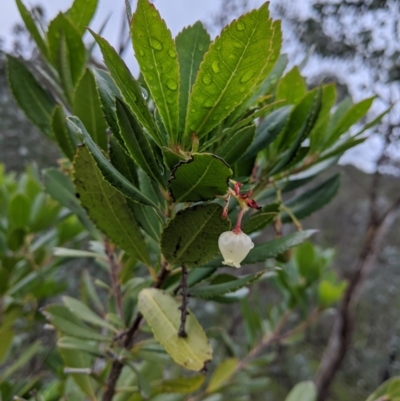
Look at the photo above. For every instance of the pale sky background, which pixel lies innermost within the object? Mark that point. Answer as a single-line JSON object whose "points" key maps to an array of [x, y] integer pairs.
{"points": [[178, 14]]}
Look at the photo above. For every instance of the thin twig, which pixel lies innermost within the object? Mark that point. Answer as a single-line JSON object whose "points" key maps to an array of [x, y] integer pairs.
{"points": [[183, 307]]}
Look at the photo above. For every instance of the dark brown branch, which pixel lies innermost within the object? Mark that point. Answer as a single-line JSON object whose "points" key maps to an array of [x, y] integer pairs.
{"points": [[341, 336], [183, 307], [117, 365]]}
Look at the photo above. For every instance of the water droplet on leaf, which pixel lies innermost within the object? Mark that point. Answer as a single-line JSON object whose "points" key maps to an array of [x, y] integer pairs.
{"points": [[171, 54], [208, 102], [227, 107], [141, 52], [172, 85], [215, 66], [207, 79], [240, 26], [246, 77], [201, 48], [156, 44], [241, 90]]}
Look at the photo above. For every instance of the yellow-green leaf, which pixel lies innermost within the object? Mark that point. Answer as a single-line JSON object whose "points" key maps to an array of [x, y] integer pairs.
{"points": [[162, 314], [222, 374]]}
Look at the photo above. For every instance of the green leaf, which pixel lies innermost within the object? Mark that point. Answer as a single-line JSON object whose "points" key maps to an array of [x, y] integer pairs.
{"points": [[203, 177], [191, 237], [329, 292], [261, 219], [156, 54], [70, 65], [299, 126], [162, 314], [81, 13], [235, 145], [32, 28], [108, 91], [305, 391], [222, 375], [137, 143], [191, 45], [109, 172], [313, 199], [77, 359], [87, 106], [147, 219], [79, 309], [351, 116], [65, 321], [19, 210], [230, 70], [270, 75], [6, 339], [388, 391], [128, 86], [291, 87], [60, 188], [36, 103], [22, 361], [61, 132], [214, 290], [92, 347], [123, 162], [107, 207], [268, 131], [180, 385]]}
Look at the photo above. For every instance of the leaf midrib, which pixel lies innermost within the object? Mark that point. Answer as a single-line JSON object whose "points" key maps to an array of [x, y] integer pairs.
{"points": [[175, 329], [183, 250], [205, 120], [100, 182], [171, 131], [191, 189]]}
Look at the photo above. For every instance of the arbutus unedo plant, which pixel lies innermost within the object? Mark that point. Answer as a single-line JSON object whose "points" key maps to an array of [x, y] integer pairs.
{"points": [[212, 134]]}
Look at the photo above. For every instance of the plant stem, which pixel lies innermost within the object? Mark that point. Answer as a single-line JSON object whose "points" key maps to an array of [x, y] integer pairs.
{"points": [[117, 365], [183, 307]]}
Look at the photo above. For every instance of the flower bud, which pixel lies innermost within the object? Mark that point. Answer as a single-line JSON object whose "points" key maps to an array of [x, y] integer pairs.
{"points": [[234, 247]]}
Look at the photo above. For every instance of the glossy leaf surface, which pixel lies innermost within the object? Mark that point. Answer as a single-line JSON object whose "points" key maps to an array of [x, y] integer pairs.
{"points": [[230, 70], [156, 54]]}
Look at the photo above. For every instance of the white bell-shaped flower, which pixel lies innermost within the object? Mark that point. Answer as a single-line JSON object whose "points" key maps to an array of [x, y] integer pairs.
{"points": [[234, 247]]}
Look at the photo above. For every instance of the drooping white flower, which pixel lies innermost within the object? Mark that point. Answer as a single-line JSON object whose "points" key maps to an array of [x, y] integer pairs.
{"points": [[234, 247]]}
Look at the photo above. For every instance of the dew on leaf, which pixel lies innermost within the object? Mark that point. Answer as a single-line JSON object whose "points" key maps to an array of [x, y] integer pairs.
{"points": [[215, 66], [172, 85], [207, 79], [227, 107], [240, 26], [241, 90], [201, 48], [141, 52], [238, 45], [156, 44], [171, 54], [208, 102], [246, 77]]}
